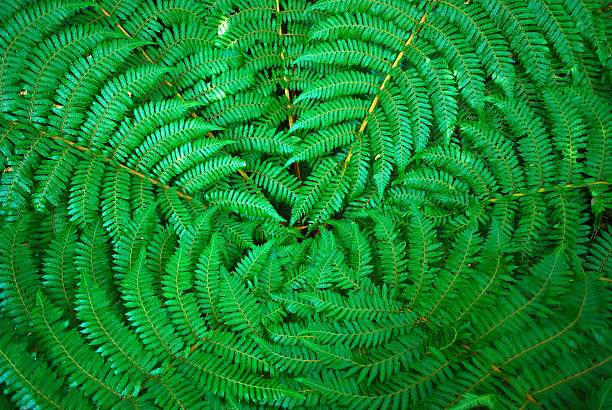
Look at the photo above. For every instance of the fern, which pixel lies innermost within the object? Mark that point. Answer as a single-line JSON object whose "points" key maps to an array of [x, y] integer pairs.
{"points": [[304, 204]]}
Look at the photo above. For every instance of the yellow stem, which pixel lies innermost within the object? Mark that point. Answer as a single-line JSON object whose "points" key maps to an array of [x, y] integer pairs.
{"points": [[376, 99], [124, 167], [568, 186]]}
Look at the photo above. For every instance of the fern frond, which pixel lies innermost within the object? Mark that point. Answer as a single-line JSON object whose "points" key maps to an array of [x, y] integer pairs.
{"points": [[516, 23], [145, 311], [461, 59], [237, 308], [207, 370], [559, 29], [60, 270], [100, 323], [180, 302], [357, 306], [65, 346], [441, 88], [242, 203], [534, 147], [19, 284], [251, 204], [349, 53], [23, 31], [208, 277], [30, 385]]}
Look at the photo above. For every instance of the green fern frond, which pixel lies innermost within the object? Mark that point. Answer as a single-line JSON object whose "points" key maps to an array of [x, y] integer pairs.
{"points": [[289, 204], [33, 386]]}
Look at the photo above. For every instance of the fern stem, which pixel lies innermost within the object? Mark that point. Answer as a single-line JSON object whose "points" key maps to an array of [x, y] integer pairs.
{"points": [[282, 56], [124, 167], [530, 397], [291, 118], [376, 99], [106, 13], [541, 190]]}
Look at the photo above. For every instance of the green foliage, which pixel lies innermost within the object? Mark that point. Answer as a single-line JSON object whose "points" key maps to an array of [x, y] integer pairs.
{"points": [[305, 204]]}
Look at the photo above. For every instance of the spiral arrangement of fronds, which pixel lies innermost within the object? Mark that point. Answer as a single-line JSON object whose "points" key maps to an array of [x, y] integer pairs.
{"points": [[364, 204]]}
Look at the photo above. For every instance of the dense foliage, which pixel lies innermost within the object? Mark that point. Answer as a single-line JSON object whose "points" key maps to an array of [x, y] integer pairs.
{"points": [[295, 203]]}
